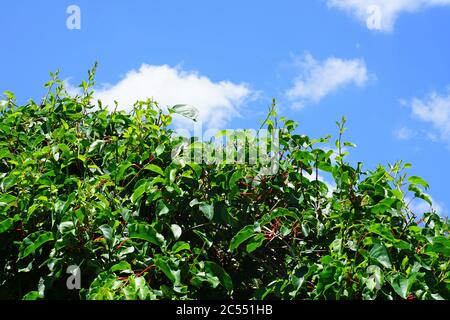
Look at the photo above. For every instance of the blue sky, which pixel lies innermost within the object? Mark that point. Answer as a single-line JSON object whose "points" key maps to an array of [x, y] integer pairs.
{"points": [[386, 68]]}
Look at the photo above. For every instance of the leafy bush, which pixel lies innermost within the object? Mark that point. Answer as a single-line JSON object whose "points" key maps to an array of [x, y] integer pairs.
{"points": [[82, 186]]}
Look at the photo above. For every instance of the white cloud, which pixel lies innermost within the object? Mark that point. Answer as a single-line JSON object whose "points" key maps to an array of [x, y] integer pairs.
{"points": [[217, 102], [318, 79], [419, 207], [435, 110], [405, 133], [388, 10]]}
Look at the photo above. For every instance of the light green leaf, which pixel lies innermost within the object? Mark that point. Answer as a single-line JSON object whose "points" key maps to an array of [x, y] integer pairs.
{"points": [[121, 170], [32, 295], [159, 150], [197, 169], [194, 202], [375, 281], [6, 224], [138, 192], [180, 246], [419, 181], [65, 226], [6, 199], [439, 245], [380, 253], [96, 144], [33, 242], [208, 210], [418, 193], [176, 231], [255, 242], [107, 232], [185, 110], [162, 208], [154, 168], [402, 285], [121, 266], [145, 232], [350, 144], [243, 235]]}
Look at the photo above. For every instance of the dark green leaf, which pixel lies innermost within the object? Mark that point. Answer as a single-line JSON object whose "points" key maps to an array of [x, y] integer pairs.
{"points": [[219, 272]]}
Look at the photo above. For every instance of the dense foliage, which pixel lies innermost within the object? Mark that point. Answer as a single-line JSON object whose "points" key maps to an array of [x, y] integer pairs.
{"points": [[84, 186]]}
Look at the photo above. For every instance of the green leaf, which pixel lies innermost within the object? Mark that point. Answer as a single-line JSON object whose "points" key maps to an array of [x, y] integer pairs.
{"points": [[8, 182], [154, 168], [350, 144], [66, 226], [185, 110], [97, 144], [33, 242], [194, 202], [401, 244], [159, 150], [255, 243], [439, 244], [121, 170], [206, 240], [173, 275], [6, 199], [176, 231], [436, 296], [172, 175], [106, 231], [145, 232], [382, 231], [402, 285], [82, 158], [418, 193], [419, 181], [243, 235], [380, 253], [9, 95], [219, 272], [64, 148], [375, 281], [138, 192], [235, 178], [6, 224], [305, 229], [197, 169], [208, 210], [180, 246], [162, 208], [121, 266], [32, 295]]}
